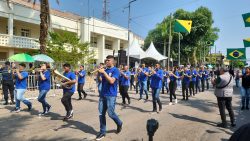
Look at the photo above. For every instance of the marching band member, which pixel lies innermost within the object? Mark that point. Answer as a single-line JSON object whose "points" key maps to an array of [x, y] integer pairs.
{"points": [[185, 82], [198, 80], [68, 91], [81, 81], [156, 85], [132, 78], [149, 77], [173, 76], [99, 79], [125, 84], [143, 74], [44, 87], [137, 83], [21, 86], [107, 100], [203, 78], [207, 77], [192, 81]]}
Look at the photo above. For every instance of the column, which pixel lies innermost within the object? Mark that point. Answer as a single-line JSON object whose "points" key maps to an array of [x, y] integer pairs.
{"points": [[10, 52], [10, 24], [116, 45], [101, 48]]}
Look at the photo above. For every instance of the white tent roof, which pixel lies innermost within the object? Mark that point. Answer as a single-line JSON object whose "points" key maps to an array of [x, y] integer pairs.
{"points": [[136, 51], [151, 52]]}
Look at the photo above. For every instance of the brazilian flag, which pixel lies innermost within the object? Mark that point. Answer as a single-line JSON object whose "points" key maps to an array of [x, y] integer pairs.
{"points": [[236, 54], [210, 43], [246, 42], [183, 26], [246, 18]]}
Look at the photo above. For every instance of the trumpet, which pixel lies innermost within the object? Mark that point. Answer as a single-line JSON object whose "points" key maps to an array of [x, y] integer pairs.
{"points": [[96, 70]]}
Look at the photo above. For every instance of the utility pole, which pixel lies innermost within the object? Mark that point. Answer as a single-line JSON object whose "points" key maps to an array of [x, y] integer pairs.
{"points": [[105, 11], [129, 19], [170, 39], [179, 48]]}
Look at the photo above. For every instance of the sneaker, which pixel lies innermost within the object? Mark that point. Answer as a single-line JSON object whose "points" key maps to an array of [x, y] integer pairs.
{"points": [[79, 98], [119, 129], [16, 110], [100, 136], [176, 101], [48, 109], [6, 103], [69, 116], [85, 95], [29, 107], [170, 103], [42, 114]]}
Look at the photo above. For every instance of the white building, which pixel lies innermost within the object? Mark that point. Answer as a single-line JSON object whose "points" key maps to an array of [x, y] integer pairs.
{"points": [[19, 30]]}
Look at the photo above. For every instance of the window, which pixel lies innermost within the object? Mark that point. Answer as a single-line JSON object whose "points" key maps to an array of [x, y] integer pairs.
{"points": [[14, 30], [93, 42], [108, 44], [25, 32]]}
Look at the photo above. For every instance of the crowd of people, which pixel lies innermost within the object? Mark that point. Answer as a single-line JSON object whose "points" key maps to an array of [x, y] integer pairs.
{"points": [[143, 80]]}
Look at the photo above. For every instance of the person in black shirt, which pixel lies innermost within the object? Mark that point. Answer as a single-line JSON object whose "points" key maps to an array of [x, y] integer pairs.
{"points": [[245, 89], [8, 83]]}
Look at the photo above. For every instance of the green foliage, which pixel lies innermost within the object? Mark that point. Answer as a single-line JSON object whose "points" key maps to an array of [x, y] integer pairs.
{"points": [[66, 47], [237, 64], [191, 44]]}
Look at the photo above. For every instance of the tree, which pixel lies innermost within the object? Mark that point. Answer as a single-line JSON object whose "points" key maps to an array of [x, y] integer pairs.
{"points": [[66, 47], [193, 44], [45, 22]]}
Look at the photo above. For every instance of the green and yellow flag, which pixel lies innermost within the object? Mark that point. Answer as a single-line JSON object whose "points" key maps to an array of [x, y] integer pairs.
{"points": [[246, 42], [210, 43], [183, 26], [246, 18], [236, 54]]}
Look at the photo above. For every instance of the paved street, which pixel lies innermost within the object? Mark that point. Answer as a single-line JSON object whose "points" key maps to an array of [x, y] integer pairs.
{"points": [[194, 120]]}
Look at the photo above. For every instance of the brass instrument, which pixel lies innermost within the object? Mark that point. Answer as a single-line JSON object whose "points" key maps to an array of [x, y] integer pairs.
{"points": [[61, 78], [97, 70]]}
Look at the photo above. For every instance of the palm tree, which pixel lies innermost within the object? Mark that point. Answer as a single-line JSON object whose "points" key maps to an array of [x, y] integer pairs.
{"points": [[45, 22]]}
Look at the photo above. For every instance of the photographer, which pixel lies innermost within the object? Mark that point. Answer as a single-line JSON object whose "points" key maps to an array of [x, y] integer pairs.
{"points": [[224, 92]]}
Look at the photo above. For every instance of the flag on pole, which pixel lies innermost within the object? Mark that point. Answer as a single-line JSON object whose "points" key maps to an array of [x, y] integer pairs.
{"points": [[236, 54], [210, 43], [246, 18], [246, 42], [183, 26]]}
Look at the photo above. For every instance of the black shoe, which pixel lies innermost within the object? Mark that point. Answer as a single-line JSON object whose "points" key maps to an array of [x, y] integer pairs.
{"points": [[29, 107], [48, 109], [16, 110], [233, 124], [242, 108], [222, 125], [85, 95], [128, 101], [247, 108], [183, 98], [80, 98], [6, 103], [146, 97], [119, 129], [100, 136]]}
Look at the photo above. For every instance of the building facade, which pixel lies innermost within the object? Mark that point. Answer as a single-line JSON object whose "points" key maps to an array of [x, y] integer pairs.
{"points": [[19, 30]]}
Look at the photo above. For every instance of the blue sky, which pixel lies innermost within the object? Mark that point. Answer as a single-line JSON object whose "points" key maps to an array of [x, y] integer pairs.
{"points": [[147, 13]]}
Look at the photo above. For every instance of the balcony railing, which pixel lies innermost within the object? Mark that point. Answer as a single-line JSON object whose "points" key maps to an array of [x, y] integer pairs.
{"points": [[18, 42]]}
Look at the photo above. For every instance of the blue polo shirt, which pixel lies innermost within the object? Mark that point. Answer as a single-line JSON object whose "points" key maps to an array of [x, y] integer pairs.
{"points": [[126, 82], [165, 73], [204, 75], [186, 79], [81, 79], [172, 78], [157, 78], [71, 76], [142, 76], [44, 84], [107, 88], [194, 75], [22, 83]]}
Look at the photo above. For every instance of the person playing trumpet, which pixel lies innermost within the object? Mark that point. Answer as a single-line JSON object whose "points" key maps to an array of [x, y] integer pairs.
{"points": [[173, 77], [142, 77], [125, 81], [44, 87], [156, 85], [192, 81], [186, 75], [21, 77], [81, 81]]}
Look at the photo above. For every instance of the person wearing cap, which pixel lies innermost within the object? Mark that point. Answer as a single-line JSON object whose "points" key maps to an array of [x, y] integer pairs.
{"points": [[7, 83], [81, 81], [21, 77], [44, 87], [224, 92]]}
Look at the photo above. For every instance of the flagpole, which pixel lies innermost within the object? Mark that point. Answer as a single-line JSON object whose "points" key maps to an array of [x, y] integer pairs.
{"points": [[179, 52], [170, 38], [210, 55]]}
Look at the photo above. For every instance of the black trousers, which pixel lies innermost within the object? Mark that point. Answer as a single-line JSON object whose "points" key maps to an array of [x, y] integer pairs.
{"points": [[66, 101], [185, 91], [80, 90], [172, 89], [203, 85], [191, 88], [222, 103], [207, 84], [124, 93], [132, 80], [148, 84], [8, 87]]}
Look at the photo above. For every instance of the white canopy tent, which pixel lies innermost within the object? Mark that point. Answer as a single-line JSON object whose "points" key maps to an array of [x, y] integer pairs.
{"points": [[136, 51], [151, 52]]}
